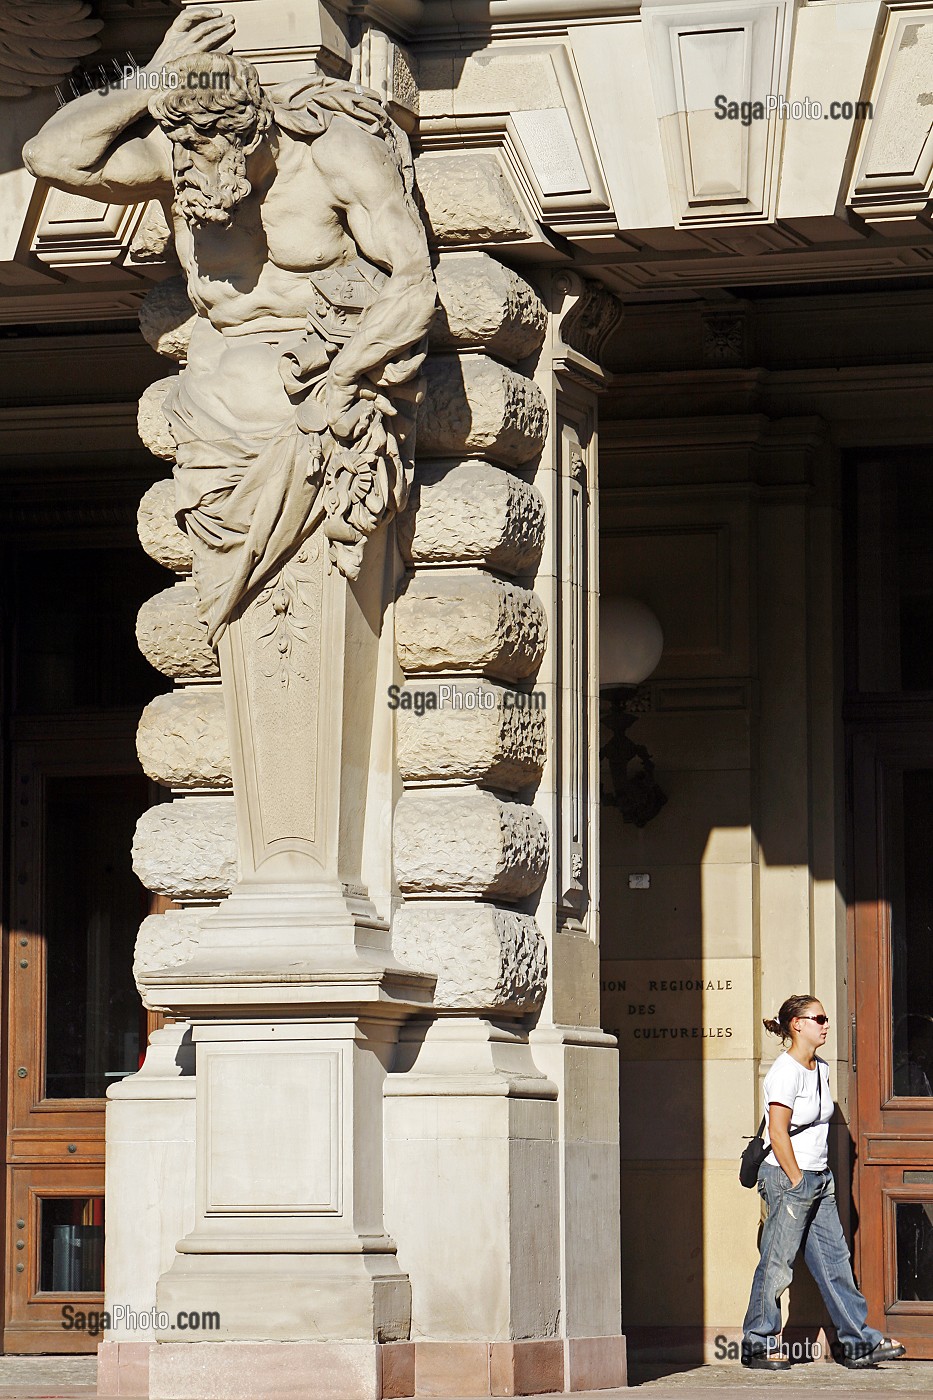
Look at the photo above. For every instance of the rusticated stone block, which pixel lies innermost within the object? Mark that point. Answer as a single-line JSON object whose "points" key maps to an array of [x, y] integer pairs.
{"points": [[472, 513], [167, 318], [470, 730], [467, 199], [484, 958], [474, 404], [166, 940], [486, 306], [187, 849], [182, 739], [151, 423], [469, 622], [173, 638], [470, 843], [158, 530]]}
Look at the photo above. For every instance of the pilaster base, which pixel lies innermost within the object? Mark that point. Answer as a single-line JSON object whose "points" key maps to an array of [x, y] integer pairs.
{"points": [[360, 1370], [258, 1297]]}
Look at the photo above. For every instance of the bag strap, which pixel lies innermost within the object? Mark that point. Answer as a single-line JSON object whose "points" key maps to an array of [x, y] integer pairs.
{"points": [[802, 1127]]}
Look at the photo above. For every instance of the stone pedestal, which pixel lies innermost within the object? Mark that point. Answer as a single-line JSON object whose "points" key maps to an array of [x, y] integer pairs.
{"points": [[288, 1240], [470, 1110]]}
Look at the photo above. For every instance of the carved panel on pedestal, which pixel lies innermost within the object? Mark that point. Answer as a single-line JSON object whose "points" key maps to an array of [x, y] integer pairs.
{"points": [[256, 1165]]}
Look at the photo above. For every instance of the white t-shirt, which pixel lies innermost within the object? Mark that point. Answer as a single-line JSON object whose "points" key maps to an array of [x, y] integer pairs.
{"points": [[789, 1083]]}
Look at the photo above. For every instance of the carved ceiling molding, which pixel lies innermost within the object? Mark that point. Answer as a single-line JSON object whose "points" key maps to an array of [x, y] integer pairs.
{"points": [[466, 14], [41, 41], [526, 103], [720, 171], [137, 9], [66, 428], [893, 180]]}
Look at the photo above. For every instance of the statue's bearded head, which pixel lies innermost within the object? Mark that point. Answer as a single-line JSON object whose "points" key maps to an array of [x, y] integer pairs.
{"points": [[216, 115]]}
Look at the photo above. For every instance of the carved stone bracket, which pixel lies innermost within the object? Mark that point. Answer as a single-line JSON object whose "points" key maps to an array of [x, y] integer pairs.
{"points": [[592, 317]]}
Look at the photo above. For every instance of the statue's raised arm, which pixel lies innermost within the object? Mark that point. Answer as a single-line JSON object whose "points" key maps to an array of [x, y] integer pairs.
{"points": [[306, 259], [105, 144]]}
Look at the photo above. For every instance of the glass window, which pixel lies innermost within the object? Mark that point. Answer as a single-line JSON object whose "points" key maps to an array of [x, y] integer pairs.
{"points": [[909, 882], [71, 1244], [93, 906], [914, 1236]]}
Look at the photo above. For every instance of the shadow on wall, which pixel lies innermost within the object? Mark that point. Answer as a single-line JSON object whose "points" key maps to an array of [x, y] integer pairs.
{"points": [[678, 989]]}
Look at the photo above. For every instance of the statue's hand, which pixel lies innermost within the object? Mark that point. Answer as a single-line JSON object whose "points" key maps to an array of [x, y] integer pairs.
{"points": [[193, 31], [351, 409]]}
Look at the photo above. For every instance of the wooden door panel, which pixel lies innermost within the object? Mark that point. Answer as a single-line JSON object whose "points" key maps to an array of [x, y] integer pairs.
{"points": [[74, 1020], [894, 1095], [34, 1317]]}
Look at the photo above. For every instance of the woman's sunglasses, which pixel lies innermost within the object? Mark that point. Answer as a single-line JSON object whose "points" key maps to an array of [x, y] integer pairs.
{"points": [[820, 1020]]}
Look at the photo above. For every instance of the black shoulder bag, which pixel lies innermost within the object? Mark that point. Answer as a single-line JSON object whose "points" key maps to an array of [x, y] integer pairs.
{"points": [[756, 1152]]}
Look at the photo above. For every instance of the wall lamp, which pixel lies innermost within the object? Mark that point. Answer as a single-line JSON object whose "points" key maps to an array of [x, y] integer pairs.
{"points": [[630, 646]]}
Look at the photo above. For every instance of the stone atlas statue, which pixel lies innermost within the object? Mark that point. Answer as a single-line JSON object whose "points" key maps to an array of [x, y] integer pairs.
{"points": [[306, 261]]}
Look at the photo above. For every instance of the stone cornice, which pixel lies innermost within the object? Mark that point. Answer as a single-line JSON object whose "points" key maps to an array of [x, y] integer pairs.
{"points": [[417, 19], [460, 13]]}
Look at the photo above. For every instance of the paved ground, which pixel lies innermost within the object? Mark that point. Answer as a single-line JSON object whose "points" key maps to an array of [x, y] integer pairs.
{"points": [[24, 1377], [72, 1378], [718, 1382]]}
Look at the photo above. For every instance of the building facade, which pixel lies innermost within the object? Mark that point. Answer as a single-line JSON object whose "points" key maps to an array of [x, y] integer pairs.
{"points": [[422, 987]]}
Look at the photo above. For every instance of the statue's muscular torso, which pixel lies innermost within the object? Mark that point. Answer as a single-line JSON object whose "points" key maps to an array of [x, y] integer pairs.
{"points": [[251, 276]]}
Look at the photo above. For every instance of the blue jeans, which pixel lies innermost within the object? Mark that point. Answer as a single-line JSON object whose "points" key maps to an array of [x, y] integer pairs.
{"points": [[805, 1214]]}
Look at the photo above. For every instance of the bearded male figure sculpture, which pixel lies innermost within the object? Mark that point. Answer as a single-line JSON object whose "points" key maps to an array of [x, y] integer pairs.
{"points": [[307, 263]]}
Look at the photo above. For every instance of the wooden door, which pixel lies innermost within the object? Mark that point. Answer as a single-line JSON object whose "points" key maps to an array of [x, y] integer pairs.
{"points": [[72, 685], [892, 915], [75, 1022]]}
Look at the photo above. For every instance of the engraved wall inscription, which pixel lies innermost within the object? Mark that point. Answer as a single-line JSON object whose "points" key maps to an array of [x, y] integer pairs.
{"points": [[679, 1009]]}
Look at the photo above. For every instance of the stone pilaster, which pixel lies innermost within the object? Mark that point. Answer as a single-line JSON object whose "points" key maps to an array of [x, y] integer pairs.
{"points": [[472, 1166], [567, 1042], [496, 836]]}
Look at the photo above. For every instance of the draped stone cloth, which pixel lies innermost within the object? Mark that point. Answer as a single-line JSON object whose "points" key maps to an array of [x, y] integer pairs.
{"points": [[249, 499]]}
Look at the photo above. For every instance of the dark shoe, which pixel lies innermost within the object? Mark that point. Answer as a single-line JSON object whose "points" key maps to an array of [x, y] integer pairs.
{"points": [[859, 1357], [765, 1361], [889, 1350]]}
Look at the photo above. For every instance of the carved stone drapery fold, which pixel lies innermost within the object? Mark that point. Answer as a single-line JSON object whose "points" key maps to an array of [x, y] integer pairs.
{"points": [[41, 41]]}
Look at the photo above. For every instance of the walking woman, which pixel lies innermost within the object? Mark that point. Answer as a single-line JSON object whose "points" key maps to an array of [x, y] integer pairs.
{"points": [[800, 1200]]}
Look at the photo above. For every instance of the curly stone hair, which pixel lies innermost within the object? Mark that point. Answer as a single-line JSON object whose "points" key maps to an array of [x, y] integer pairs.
{"points": [[793, 1006], [214, 92]]}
